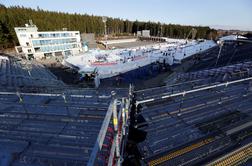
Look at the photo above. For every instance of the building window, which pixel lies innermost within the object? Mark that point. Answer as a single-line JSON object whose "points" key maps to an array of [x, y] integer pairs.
{"points": [[30, 56], [37, 49], [21, 29], [29, 50], [35, 42], [58, 53], [48, 55]]}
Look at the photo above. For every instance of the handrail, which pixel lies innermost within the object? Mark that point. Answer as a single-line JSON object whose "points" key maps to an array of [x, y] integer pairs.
{"points": [[193, 90], [101, 135]]}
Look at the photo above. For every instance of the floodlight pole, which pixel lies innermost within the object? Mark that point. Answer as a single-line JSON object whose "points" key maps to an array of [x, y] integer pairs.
{"points": [[104, 19]]}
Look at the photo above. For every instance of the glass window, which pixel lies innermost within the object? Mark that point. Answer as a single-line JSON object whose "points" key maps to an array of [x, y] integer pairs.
{"points": [[45, 49], [34, 42], [50, 48], [42, 49]]}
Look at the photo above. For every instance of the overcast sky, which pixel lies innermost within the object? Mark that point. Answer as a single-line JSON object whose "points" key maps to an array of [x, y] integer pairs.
{"points": [[228, 14]]}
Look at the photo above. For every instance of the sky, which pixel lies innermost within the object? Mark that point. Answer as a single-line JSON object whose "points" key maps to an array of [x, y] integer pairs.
{"points": [[225, 14]]}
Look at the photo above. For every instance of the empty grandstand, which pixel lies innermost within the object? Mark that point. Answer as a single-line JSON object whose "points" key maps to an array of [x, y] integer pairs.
{"points": [[227, 54], [205, 112], [45, 122], [20, 73], [187, 127], [236, 157]]}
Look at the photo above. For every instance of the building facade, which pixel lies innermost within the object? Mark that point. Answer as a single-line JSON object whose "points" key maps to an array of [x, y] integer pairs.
{"points": [[39, 45]]}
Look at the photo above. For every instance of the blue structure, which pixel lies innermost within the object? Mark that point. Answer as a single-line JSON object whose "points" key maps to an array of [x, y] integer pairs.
{"points": [[203, 114], [45, 122]]}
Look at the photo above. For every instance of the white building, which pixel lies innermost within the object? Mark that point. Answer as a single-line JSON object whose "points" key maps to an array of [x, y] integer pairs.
{"points": [[34, 44]]}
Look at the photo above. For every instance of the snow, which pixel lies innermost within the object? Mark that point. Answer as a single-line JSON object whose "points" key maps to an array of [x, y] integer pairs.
{"points": [[108, 63], [4, 58], [231, 37]]}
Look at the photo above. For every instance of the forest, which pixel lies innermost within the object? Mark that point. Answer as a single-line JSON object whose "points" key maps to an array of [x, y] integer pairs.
{"points": [[15, 16]]}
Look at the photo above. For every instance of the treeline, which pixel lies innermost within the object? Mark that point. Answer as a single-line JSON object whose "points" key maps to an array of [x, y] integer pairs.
{"points": [[14, 16]]}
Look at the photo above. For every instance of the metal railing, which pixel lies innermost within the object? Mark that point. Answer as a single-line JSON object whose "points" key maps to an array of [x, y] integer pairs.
{"points": [[118, 114], [183, 93]]}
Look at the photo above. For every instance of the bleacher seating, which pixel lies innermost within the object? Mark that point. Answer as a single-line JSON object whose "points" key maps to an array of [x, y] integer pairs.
{"points": [[21, 73], [236, 157], [51, 129], [175, 122], [46, 122]]}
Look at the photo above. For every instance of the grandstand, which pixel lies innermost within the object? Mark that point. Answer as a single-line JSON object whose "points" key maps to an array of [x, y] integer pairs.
{"points": [[228, 54], [176, 122], [17, 73], [45, 122], [206, 112], [224, 72], [53, 129], [239, 156]]}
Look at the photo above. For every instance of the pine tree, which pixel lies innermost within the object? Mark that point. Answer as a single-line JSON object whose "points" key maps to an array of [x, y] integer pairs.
{"points": [[14, 16]]}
